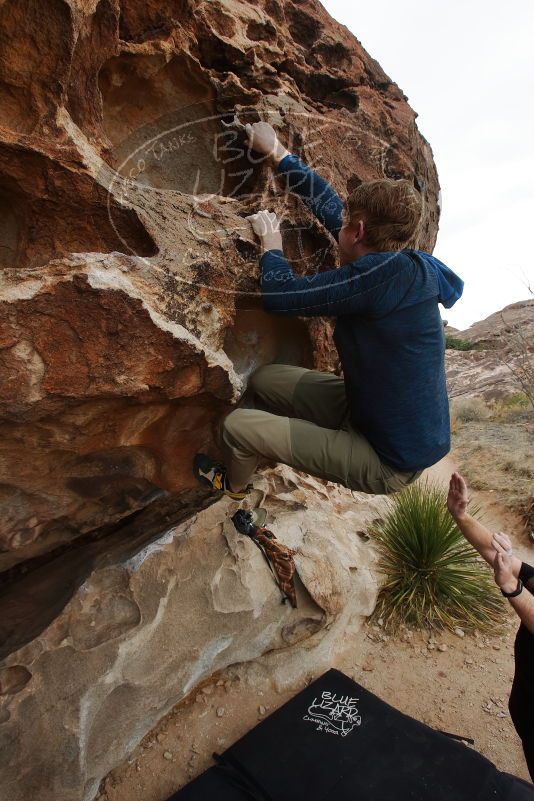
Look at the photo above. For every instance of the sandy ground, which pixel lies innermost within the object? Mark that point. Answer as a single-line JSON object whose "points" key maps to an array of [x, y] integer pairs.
{"points": [[457, 684], [498, 457]]}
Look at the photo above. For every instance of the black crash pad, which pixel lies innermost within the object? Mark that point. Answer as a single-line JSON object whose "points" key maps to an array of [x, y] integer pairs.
{"points": [[336, 741]]}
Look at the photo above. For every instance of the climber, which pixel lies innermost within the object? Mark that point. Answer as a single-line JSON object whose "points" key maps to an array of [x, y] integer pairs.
{"points": [[379, 426], [511, 575]]}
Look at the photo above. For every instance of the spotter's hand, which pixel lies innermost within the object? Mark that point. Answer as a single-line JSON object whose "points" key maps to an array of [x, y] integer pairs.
{"points": [[504, 573], [502, 543], [266, 226], [457, 498], [502, 564]]}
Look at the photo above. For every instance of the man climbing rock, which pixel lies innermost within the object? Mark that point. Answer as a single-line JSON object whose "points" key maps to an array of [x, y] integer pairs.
{"points": [[377, 428]]}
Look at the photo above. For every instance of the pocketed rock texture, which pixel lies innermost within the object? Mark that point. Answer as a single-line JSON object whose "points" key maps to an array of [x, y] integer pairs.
{"points": [[129, 323], [145, 629], [129, 314]]}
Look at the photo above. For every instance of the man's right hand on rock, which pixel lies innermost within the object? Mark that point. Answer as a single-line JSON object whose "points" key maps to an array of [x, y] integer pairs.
{"points": [[262, 138]]}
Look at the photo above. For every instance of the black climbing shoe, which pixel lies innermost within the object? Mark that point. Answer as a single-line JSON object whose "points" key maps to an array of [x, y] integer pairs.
{"points": [[213, 474], [248, 521]]}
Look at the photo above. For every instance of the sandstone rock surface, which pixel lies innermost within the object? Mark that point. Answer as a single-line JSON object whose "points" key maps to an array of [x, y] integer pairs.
{"points": [[145, 628], [502, 360], [129, 315], [129, 323], [497, 328]]}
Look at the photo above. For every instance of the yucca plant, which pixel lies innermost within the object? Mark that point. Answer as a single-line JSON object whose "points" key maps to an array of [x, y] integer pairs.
{"points": [[433, 577]]}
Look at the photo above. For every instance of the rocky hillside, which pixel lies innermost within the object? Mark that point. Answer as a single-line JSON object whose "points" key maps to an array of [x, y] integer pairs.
{"points": [[494, 358], [491, 386]]}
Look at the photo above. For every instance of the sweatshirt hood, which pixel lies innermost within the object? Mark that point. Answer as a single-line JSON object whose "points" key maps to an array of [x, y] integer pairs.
{"points": [[450, 285]]}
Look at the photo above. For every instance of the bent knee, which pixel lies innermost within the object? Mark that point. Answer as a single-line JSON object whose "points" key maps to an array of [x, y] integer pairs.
{"points": [[234, 423], [259, 379]]}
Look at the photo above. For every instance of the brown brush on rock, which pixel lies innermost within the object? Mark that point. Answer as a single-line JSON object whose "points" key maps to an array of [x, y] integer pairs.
{"points": [[278, 556]]}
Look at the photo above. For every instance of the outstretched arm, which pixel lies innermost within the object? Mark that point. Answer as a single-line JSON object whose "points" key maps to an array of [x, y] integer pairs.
{"points": [[330, 294], [344, 290], [316, 192], [478, 535], [318, 195]]}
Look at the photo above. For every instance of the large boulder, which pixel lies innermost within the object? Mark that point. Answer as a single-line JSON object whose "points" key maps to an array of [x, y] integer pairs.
{"points": [[129, 323], [146, 627], [129, 310]]}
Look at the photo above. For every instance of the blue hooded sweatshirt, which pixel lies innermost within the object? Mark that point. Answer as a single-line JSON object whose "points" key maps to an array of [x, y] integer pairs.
{"points": [[388, 333]]}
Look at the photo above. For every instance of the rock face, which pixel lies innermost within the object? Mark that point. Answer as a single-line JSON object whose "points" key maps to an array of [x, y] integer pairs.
{"points": [[501, 362], [129, 315], [145, 628], [129, 323], [495, 330]]}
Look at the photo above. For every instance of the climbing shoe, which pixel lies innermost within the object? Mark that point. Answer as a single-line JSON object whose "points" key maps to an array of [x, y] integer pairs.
{"points": [[213, 474], [248, 521], [278, 556]]}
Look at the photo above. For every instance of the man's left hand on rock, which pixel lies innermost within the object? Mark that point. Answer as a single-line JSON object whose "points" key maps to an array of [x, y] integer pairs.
{"points": [[266, 226]]}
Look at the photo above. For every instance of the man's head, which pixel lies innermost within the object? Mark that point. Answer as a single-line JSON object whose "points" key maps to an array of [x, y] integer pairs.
{"points": [[380, 215]]}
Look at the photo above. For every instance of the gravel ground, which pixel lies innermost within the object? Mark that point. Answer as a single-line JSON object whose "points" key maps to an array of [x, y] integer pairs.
{"points": [[459, 684]]}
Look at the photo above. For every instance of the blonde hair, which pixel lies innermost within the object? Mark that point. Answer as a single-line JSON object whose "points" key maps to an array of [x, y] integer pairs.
{"points": [[391, 211]]}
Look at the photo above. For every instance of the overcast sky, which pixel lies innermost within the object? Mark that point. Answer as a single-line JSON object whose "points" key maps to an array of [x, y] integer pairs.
{"points": [[467, 67]]}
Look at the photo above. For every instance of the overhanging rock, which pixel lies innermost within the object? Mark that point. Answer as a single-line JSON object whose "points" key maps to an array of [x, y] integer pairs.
{"points": [[129, 309]]}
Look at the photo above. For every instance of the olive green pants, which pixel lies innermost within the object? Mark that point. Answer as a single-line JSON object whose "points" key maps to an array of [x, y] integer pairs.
{"points": [[308, 428]]}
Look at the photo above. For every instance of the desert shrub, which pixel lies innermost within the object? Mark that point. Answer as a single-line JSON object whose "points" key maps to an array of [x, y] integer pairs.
{"points": [[517, 355], [456, 424], [512, 407], [517, 401], [517, 469], [455, 343], [433, 577], [468, 410]]}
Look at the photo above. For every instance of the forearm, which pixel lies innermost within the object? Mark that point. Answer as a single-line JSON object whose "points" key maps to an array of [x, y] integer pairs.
{"points": [[330, 294], [276, 275], [278, 154], [315, 191], [480, 538]]}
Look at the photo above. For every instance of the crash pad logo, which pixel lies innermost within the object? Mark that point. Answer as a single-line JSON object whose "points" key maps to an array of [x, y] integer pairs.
{"points": [[334, 714]]}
